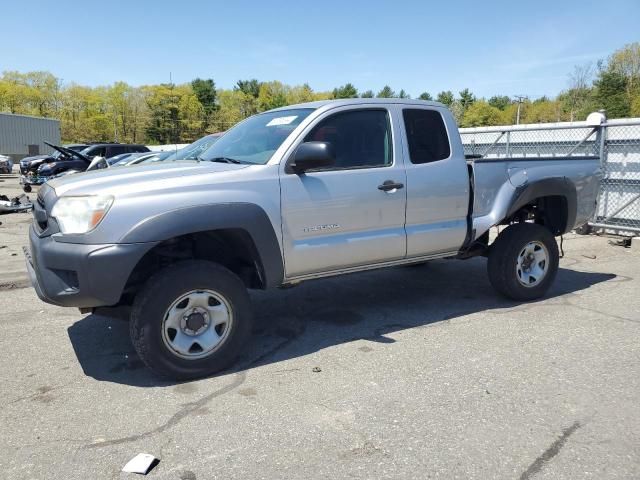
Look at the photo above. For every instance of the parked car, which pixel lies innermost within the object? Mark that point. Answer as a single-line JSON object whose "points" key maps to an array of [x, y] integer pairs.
{"points": [[6, 164], [108, 150], [122, 158], [293, 194], [31, 164], [156, 157], [76, 161], [139, 158]]}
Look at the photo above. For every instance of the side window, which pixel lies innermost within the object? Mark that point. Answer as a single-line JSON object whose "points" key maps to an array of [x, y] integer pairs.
{"points": [[96, 152], [360, 138], [116, 150], [426, 135]]}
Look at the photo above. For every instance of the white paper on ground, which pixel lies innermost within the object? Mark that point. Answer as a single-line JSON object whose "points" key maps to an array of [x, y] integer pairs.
{"points": [[139, 464]]}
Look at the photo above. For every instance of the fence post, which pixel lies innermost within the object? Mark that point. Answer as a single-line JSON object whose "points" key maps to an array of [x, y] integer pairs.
{"points": [[508, 147], [601, 139]]}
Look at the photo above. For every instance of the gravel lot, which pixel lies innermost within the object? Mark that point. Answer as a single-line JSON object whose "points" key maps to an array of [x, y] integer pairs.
{"points": [[424, 373]]}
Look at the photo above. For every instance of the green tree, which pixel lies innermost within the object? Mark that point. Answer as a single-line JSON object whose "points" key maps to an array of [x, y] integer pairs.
{"points": [[611, 88], [386, 92], [45, 92], [272, 95], [466, 99], [15, 94], [248, 87], [234, 106], [300, 94], [175, 113], [446, 98], [345, 91], [481, 114], [542, 110], [626, 62], [501, 102], [205, 92], [367, 94], [425, 96], [403, 94]]}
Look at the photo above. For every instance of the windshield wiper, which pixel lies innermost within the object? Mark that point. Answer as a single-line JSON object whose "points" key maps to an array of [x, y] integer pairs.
{"points": [[221, 160]]}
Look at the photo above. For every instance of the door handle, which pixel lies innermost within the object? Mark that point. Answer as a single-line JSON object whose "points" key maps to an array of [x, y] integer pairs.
{"points": [[389, 185]]}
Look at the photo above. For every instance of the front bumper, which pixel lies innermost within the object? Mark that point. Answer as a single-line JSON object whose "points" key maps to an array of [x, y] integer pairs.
{"points": [[79, 275]]}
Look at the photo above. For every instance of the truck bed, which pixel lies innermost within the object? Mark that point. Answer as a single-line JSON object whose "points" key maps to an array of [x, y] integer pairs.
{"points": [[493, 194]]}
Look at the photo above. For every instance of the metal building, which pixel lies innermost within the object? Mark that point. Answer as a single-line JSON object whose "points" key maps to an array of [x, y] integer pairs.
{"points": [[23, 136]]}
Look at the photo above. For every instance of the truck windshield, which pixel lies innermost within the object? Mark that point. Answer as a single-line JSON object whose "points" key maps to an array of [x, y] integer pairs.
{"points": [[193, 150], [257, 138]]}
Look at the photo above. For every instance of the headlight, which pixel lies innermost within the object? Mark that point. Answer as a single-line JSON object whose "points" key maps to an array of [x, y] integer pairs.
{"points": [[81, 214]]}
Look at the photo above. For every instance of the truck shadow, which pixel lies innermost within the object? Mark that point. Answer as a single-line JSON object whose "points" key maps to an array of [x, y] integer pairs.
{"points": [[312, 316]]}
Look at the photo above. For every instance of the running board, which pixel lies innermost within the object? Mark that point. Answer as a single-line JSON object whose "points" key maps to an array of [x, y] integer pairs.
{"points": [[363, 268]]}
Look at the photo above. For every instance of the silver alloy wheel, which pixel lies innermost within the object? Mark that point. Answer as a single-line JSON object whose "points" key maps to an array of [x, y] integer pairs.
{"points": [[197, 324], [532, 264]]}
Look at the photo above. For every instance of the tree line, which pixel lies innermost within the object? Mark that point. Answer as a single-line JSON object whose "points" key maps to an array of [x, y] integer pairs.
{"points": [[170, 113]]}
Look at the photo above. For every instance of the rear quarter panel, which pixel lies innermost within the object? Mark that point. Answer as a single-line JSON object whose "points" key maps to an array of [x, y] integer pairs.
{"points": [[495, 183]]}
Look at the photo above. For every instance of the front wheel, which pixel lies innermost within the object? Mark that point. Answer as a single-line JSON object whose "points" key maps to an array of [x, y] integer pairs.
{"points": [[523, 261], [191, 320]]}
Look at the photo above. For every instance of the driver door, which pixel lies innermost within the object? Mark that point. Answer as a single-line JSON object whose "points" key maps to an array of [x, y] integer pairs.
{"points": [[343, 216]]}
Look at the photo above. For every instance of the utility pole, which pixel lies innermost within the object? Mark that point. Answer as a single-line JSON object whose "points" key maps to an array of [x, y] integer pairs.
{"points": [[520, 99]]}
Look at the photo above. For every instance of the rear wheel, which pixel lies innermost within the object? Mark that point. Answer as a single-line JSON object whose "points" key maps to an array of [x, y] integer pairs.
{"points": [[191, 320], [523, 261]]}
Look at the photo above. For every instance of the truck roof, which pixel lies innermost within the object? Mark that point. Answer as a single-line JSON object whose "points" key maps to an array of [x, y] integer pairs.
{"points": [[357, 101]]}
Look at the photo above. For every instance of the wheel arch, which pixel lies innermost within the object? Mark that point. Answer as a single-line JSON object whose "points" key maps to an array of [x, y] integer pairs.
{"points": [[240, 236], [554, 201]]}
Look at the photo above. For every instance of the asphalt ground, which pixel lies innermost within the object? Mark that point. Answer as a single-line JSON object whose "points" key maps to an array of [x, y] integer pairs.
{"points": [[419, 372]]}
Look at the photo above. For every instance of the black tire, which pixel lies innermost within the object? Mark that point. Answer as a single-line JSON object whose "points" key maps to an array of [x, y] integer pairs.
{"points": [[503, 259], [161, 291], [27, 188]]}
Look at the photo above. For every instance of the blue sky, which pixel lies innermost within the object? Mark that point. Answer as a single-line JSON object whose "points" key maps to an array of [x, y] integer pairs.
{"points": [[491, 47]]}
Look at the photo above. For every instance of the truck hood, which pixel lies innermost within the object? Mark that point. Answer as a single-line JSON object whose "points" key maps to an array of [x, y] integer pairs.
{"points": [[143, 177]]}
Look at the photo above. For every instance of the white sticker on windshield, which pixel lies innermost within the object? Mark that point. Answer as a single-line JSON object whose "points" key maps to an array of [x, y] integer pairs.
{"points": [[281, 121]]}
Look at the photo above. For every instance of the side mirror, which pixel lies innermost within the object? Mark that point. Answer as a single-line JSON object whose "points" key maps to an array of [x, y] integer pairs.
{"points": [[311, 155], [97, 163]]}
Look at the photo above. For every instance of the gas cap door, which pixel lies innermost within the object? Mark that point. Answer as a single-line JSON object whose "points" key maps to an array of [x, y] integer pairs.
{"points": [[518, 176]]}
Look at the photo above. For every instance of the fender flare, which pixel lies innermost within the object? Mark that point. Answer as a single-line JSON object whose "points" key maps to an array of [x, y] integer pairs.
{"points": [[201, 218], [555, 186]]}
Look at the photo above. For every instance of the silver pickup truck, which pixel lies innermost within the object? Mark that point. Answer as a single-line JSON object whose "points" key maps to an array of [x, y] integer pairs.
{"points": [[293, 194]]}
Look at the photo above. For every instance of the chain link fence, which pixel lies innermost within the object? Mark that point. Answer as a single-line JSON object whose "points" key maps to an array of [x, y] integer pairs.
{"points": [[619, 199], [615, 142]]}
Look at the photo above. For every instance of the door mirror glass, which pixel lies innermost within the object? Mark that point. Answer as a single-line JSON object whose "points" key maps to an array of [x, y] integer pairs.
{"points": [[97, 163], [312, 155]]}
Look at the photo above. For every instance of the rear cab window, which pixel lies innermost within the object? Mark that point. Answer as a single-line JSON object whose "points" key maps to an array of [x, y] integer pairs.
{"points": [[426, 135]]}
